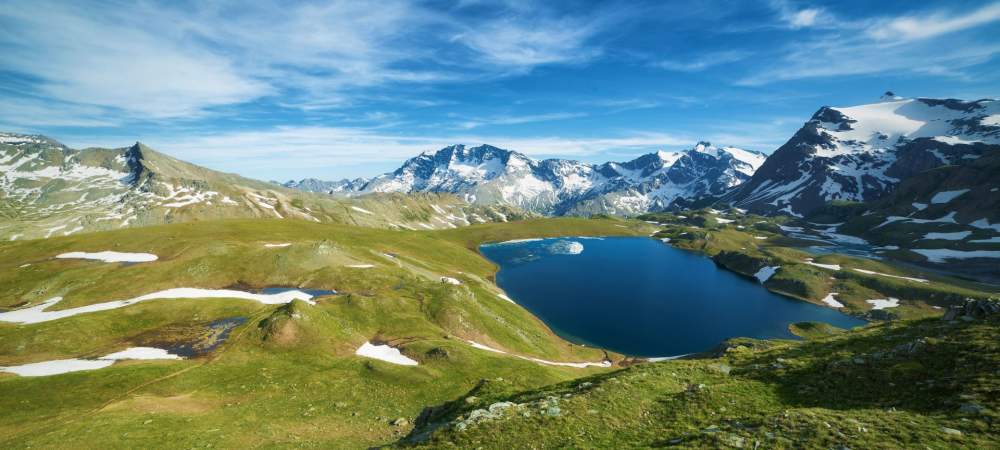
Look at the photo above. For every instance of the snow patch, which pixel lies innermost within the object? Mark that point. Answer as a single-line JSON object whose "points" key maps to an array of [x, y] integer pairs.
{"points": [[38, 313], [947, 196], [60, 366], [956, 236], [871, 272], [518, 241], [939, 255], [765, 273], [829, 300], [884, 303], [141, 353], [541, 361], [825, 266], [56, 367], [110, 257], [384, 353]]}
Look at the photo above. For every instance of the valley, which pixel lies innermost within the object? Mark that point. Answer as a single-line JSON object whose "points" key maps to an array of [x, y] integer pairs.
{"points": [[499, 224], [477, 295]]}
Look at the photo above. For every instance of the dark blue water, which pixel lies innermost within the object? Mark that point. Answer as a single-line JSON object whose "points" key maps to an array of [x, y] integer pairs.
{"points": [[641, 297], [312, 292], [218, 333]]}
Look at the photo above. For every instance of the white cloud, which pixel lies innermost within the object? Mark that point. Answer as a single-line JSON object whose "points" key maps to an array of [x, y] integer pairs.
{"points": [[519, 43], [112, 61], [804, 18], [516, 120], [178, 60], [703, 62], [796, 18], [898, 45], [27, 113], [935, 24], [311, 151]]}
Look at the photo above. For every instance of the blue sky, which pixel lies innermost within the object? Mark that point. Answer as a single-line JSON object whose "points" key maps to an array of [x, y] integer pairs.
{"points": [[333, 89]]}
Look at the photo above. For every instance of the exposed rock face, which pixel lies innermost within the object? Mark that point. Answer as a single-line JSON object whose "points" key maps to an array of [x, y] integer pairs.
{"points": [[861, 153], [976, 309], [490, 175]]}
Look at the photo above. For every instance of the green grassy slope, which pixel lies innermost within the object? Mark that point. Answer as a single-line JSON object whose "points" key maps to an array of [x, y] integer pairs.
{"points": [[910, 384], [288, 375]]}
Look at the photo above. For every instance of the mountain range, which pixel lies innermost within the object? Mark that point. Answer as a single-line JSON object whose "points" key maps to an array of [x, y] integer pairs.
{"points": [[858, 154], [490, 175], [48, 189], [840, 155]]}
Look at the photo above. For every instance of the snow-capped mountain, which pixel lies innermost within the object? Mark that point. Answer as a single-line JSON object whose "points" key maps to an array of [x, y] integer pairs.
{"points": [[49, 190], [861, 153], [490, 175]]}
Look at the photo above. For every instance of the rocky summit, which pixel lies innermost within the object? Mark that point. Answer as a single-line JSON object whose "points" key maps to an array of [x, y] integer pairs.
{"points": [[861, 153]]}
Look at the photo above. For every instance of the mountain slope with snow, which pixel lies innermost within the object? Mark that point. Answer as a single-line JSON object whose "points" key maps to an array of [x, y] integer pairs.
{"points": [[861, 153], [48, 189], [490, 175]]}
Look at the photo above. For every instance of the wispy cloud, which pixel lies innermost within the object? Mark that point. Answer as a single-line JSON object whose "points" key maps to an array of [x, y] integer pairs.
{"points": [[325, 152], [899, 45], [703, 62], [516, 120], [520, 44], [109, 60], [795, 18], [181, 60], [914, 27]]}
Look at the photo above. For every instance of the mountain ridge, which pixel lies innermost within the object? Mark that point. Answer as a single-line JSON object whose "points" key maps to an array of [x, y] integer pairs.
{"points": [[488, 174], [861, 153], [48, 189]]}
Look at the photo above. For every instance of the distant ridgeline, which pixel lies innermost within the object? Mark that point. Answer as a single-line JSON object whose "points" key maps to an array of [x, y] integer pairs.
{"points": [[48, 189]]}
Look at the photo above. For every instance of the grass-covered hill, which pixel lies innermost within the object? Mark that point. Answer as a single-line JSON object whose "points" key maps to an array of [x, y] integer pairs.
{"points": [[926, 383], [268, 374], [48, 189]]}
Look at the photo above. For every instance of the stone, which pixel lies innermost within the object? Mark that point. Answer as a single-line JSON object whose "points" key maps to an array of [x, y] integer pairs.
{"points": [[951, 431], [400, 422], [970, 408], [733, 440]]}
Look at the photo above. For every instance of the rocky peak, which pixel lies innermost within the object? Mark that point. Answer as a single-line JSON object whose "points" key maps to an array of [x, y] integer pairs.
{"points": [[889, 96]]}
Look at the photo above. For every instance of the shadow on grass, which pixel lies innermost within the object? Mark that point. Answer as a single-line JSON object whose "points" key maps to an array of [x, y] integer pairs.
{"points": [[922, 366]]}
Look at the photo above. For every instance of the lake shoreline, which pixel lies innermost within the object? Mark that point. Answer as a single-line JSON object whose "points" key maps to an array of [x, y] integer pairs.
{"points": [[568, 299]]}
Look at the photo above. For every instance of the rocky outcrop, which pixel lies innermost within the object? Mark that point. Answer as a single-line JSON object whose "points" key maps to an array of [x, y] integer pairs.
{"points": [[972, 309]]}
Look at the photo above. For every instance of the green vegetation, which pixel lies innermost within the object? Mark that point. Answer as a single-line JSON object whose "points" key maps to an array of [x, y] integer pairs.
{"points": [[813, 330], [288, 375], [909, 384]]}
